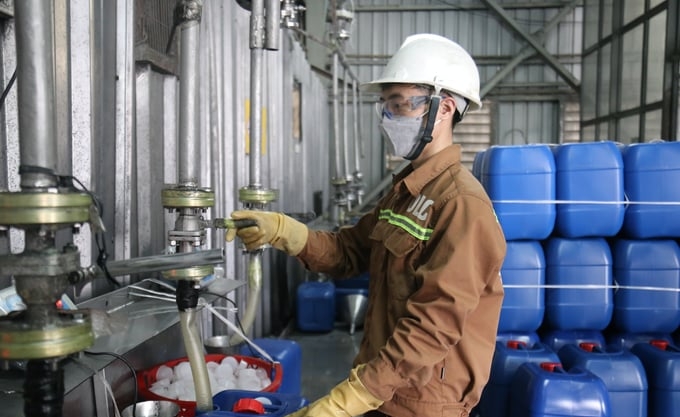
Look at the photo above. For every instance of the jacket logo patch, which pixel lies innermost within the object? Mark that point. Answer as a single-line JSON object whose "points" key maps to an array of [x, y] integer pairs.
{"points": [[419, 207]]}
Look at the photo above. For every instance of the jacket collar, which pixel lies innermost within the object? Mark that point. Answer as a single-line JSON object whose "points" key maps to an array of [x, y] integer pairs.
{"points": [[416, 179]]}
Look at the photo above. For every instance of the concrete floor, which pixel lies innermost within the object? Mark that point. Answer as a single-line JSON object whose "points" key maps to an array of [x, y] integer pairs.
{"points": [[326, 358]]}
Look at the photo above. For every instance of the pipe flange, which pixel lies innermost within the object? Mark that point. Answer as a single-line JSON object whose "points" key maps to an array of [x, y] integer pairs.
{"points": [[177, 198], [257, 195], [22, 208], [338, 181], [193, 273], [70, 333]]}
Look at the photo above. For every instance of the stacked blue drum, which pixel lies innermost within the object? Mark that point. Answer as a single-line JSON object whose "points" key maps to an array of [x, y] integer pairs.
{"points": [[523, 274], [621, 371], [593, 233], [547, 390], [662, 365], [520, 180], [652, 175], [579, 278], [590, 175], [644, 269], [508, 357]]}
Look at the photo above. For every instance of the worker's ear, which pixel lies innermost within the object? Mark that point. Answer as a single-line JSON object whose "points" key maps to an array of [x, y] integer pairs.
{"points": [[447, 108]]}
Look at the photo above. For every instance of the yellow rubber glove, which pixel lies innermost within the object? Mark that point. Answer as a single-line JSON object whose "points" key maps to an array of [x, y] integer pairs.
{"points": [[347, 399], [281, 231]]}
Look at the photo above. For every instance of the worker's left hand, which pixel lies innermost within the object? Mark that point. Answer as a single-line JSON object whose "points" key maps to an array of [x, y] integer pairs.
{"points": [[281, 231], [347, 399]]}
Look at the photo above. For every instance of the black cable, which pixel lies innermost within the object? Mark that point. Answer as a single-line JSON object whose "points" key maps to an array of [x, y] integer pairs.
{"points": [[99, 236], [5, 92], [132, 369]]}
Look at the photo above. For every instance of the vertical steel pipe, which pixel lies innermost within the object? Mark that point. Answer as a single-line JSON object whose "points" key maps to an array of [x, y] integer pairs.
{"points": [[336, 121], [257, 25], [345, 130], [189, 117], [36, 91], [256, 58], [273, 28], [358, 144]]}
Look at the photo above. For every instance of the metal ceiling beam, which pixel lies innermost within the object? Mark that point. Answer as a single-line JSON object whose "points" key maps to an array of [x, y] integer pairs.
{"points": [[528, 51], [464, 7], [554, 63]]}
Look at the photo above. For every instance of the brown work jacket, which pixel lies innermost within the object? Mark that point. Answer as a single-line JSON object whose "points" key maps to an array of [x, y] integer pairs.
{"points": [[434, 249]]}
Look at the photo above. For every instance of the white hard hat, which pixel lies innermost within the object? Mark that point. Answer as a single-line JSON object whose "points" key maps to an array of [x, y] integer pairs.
{"points": [[432, 60]]}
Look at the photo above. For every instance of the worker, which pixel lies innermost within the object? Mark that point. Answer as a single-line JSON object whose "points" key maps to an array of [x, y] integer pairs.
{"points": [[432, 246]]}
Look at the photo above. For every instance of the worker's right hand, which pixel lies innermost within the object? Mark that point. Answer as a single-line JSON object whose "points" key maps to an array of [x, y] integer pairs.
{"points": [[281, 231]]}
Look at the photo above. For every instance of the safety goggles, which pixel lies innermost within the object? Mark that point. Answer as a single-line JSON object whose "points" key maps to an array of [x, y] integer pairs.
{"points": [[400, 106]]}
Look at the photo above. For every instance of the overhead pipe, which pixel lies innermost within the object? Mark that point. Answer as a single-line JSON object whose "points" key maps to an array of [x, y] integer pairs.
{"points": [[36, 93], [345, 130], [264, 33], [336, 119], [273, 25], [189, 96], [40, 334], [358, 177], [188, 222]]}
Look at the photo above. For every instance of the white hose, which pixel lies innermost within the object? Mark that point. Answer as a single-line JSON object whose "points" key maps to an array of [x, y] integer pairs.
{"points": [[199, 369], [254, 287]]}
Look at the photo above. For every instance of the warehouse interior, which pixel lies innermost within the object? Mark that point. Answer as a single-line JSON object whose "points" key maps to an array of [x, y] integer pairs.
{"points": [[132, 129]]}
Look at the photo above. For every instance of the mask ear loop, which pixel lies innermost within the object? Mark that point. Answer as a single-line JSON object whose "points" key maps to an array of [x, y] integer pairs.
{"points": [[427, 132]]}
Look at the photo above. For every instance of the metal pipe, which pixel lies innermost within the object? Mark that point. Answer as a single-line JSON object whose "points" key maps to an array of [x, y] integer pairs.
{"points": [[336, 122], [36, 95], [189, 117], [358, 143], [256, 57], [273, 29], [165, 262], [256, 91], [188, 176], [345, 131]]}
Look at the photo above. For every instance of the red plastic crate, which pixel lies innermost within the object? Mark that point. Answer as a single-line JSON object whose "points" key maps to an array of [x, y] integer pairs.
{"points": [[146, 378]]}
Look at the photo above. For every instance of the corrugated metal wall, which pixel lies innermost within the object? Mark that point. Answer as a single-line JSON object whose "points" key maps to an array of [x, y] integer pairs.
{"points": [[125, 124]]}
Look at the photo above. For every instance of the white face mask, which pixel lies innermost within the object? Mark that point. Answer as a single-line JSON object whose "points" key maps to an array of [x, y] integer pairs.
{"points": [[402, 133]]}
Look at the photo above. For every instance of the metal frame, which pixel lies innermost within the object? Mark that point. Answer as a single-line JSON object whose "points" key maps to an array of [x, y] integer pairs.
{"points": [[669, 102], [537, 44], [529, 51], [671, 82]]}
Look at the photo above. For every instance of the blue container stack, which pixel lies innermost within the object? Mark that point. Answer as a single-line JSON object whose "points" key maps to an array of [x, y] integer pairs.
{"points": [[523, 307], [586, 266], [507, 358], [524, 173], [643, 269], [591, 172], [621, 371], [662, 365], [547, 390], [652, 174], [558, 338], [607, 217], [316, 306]]}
